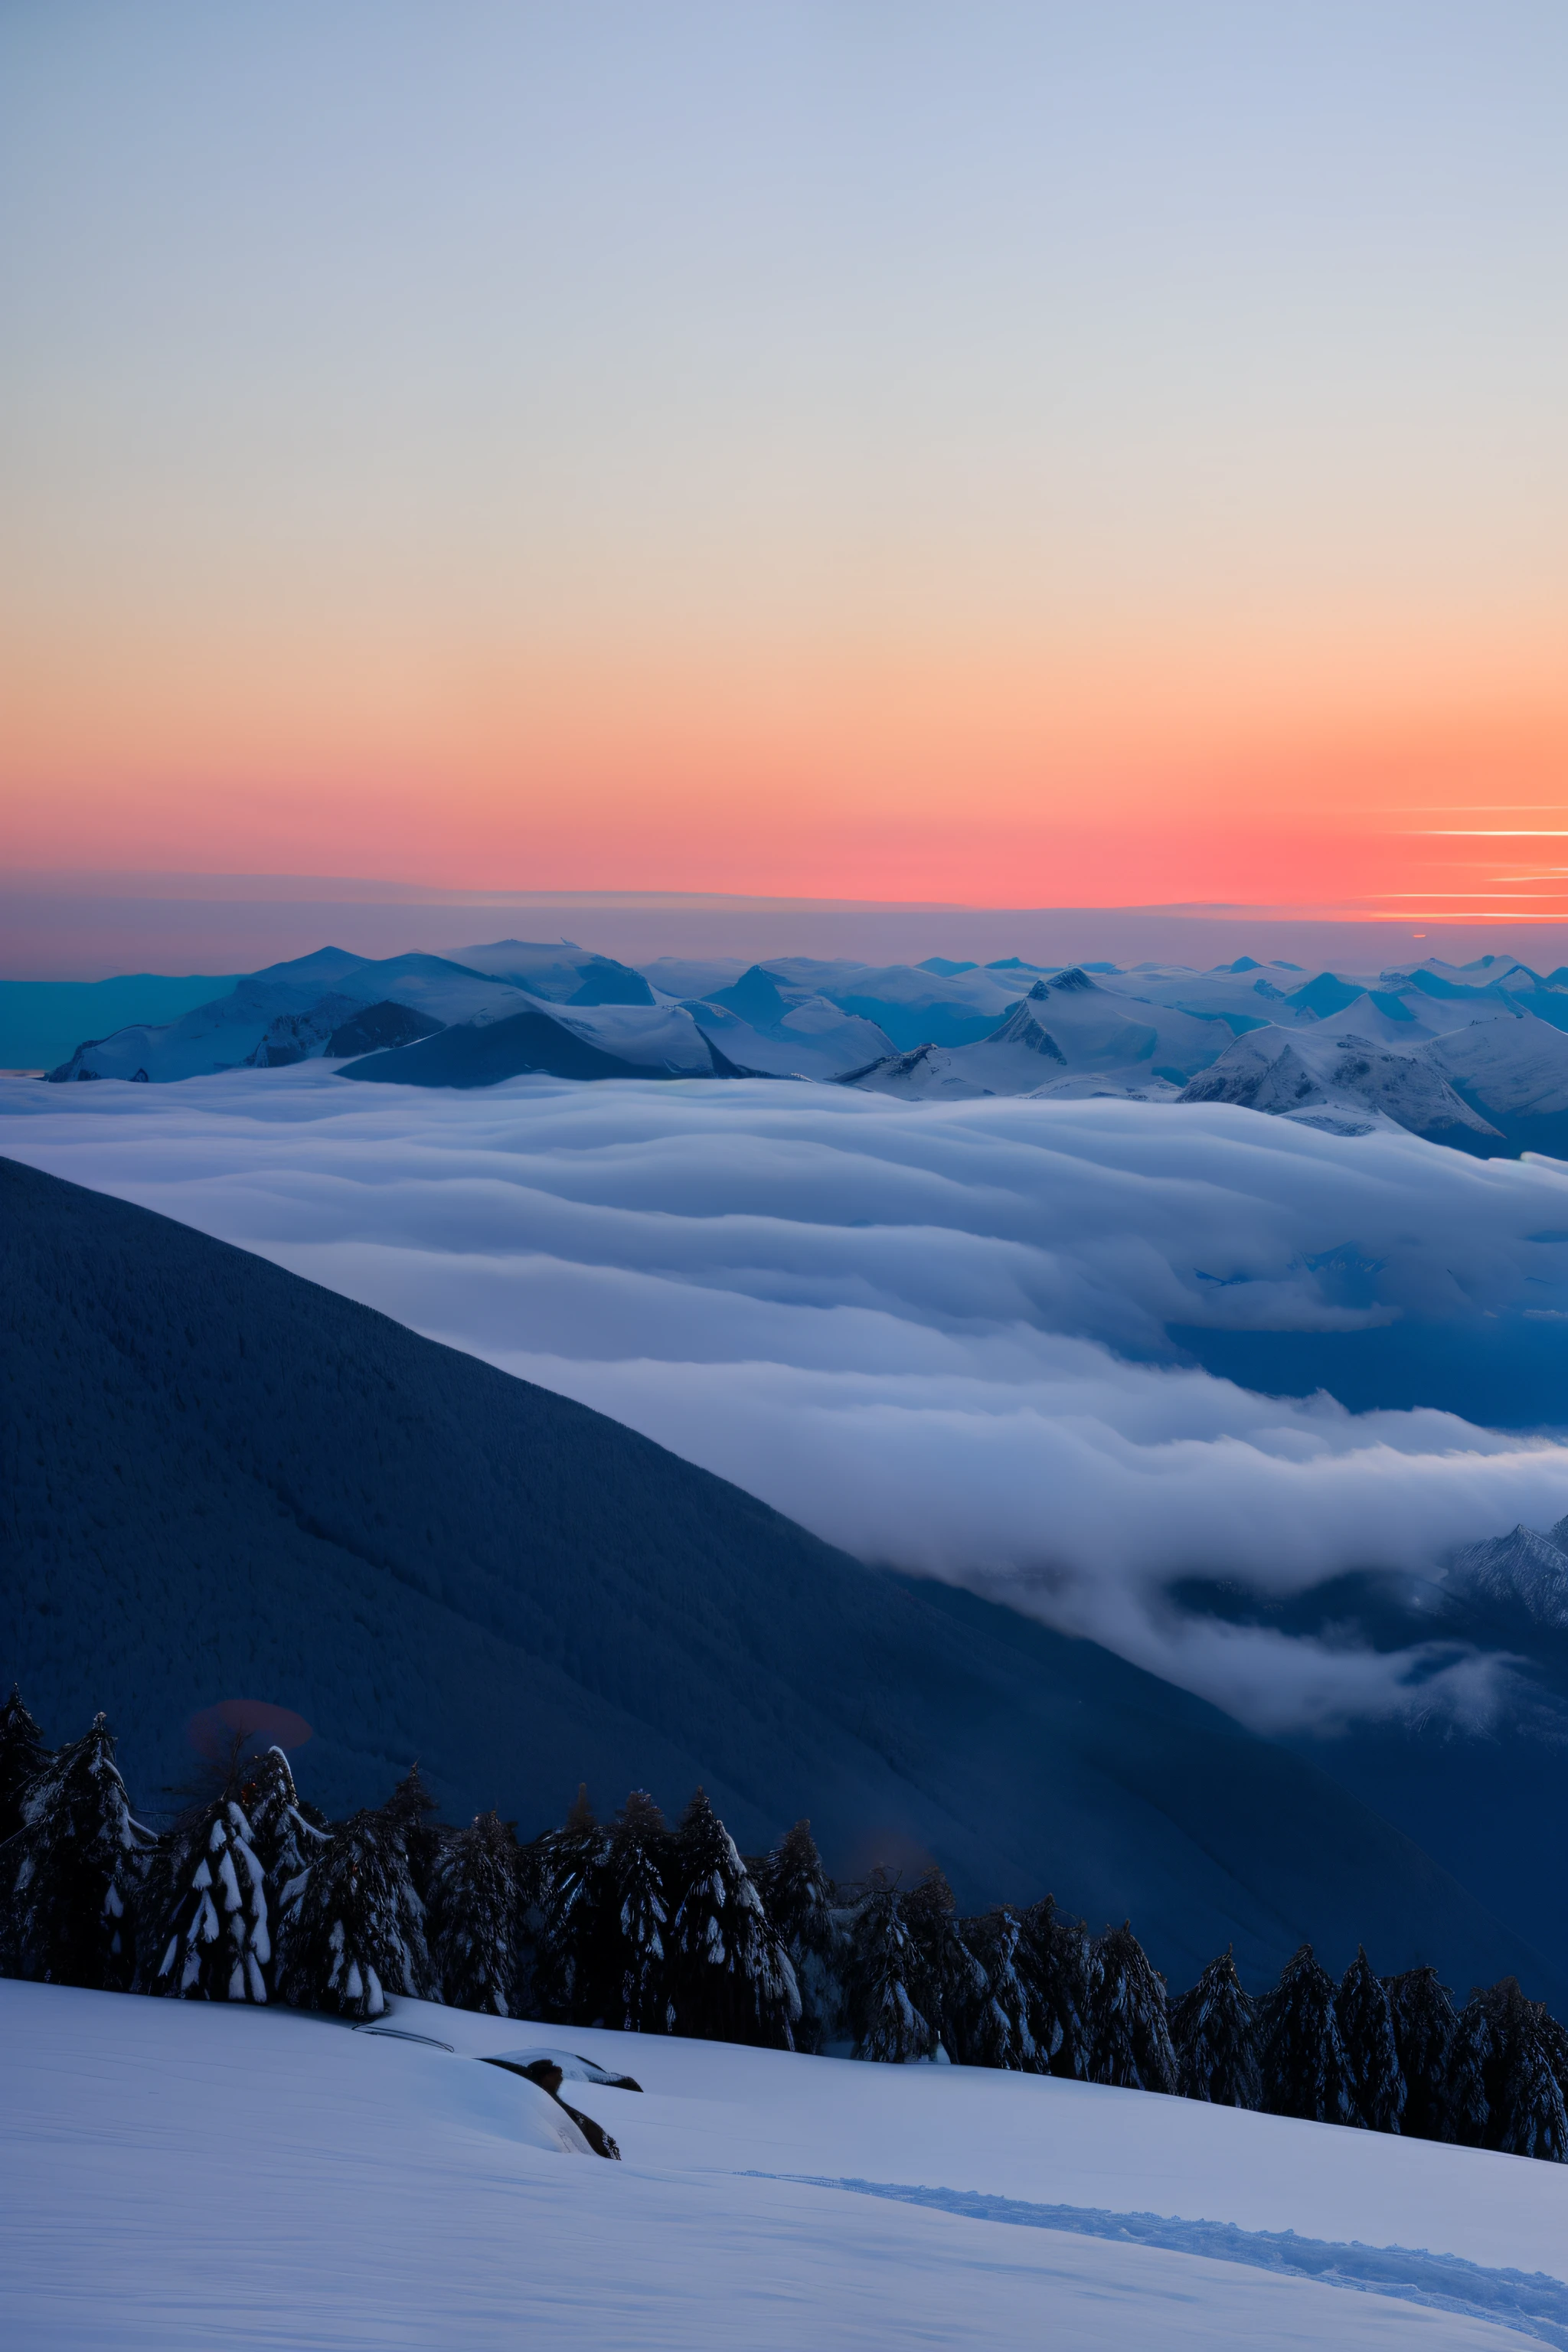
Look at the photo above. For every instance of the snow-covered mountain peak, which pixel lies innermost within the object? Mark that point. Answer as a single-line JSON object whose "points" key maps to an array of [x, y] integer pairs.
{"points": [[1524, 1567]]}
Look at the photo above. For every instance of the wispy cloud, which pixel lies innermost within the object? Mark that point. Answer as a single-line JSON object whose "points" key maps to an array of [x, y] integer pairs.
{"points": [[934, 1336]]}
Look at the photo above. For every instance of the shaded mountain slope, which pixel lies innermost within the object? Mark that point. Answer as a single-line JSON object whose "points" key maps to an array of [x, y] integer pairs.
{"points": [[219, 1480]]}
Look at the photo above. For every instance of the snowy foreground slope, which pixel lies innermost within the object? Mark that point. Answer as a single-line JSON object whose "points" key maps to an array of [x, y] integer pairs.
{"points": [[174, 2176]]}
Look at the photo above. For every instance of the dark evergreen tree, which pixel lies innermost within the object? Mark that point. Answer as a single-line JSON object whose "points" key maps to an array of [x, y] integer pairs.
{"points": [[1306, 2070], [207, 1934], [1466, 2109], [1366, 2029], [951, 1989], [22, 1758], [1426, 2031], [570, 1894], [408, 1809], [1000, 2030], [351, 1927], [71, 1873], [1214, 2030], [474, 1920], [882, 1978], [797, 1895], [1555, 2039], [285, 1832], [1054, 1955], [1129, 2034], [731, 1979], [639, 1870], [1525, 2112]]}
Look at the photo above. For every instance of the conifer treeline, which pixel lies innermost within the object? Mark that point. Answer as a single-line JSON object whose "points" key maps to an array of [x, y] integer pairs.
{"points": [[253, 1896]]}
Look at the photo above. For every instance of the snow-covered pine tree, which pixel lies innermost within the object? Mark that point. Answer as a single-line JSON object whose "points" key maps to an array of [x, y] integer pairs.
{"points": [[284, 1831], [1424, 2029], [352, 1928], [1214, 2029], [729, 1978], [408, 1809], [952, 1987], [208, 1934], [1366, 2029], [1555, 2039], [22, 1758], [474, 1919], [1129, 2032], [568, 1865], [882, 1975], [1307, 2070], [72, 1874], [1000, 2029], [797, 1895], [1466, 2113], [639, 1898], [1526, 2114], [1053, 1959]]}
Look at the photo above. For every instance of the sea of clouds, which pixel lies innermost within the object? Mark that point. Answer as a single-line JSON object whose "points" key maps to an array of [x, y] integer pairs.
{"points": [[936, 1335]]}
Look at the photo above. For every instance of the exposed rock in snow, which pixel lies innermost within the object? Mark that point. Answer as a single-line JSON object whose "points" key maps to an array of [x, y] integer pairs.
{"points": [[1524, 1567], [605, 1041], [300, 1036], [1332, 1074], [1068, 1029], [227, 1032]]}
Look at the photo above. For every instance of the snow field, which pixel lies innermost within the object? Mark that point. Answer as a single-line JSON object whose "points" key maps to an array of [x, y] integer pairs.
{"points": [[176, 2176]]}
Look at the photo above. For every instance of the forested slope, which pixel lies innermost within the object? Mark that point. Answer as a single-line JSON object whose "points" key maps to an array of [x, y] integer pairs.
{"points": [[219, 1480]]}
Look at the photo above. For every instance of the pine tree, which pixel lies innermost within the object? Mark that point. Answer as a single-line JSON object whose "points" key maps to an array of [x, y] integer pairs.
{"points": [[1555, 2040], [639, 1897], [797, 1895], [408, 1809], [951, 1989], [70, 1876], [1214, 2029], [1366, 2029], [1053, 1962], [205, 1905], [282, 1830], [351, 1927], [1000, 2030], [1129, 2032], [1466, 2108], [1526, 2114], [882, 1975], [474, 1921], [1307, 2070], [1425, 2032], [731, 1979], [569, 1868], [23, 1757]]}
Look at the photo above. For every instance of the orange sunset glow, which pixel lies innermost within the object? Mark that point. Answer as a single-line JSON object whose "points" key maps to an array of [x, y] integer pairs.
{"points": [[1042, 497]]}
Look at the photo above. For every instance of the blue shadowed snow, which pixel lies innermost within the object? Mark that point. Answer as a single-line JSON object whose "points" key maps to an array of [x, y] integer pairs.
{"points": [[1532, 2301]]}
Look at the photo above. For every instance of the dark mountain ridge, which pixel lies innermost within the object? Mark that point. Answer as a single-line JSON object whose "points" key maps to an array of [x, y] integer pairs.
{"points": [[218, 1480]]}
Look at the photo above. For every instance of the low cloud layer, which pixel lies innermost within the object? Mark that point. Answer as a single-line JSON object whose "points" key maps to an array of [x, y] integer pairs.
{"points": [[909, 1326]]}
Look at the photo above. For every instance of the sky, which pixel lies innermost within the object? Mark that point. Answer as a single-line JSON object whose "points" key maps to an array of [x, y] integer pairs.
{"points": [[1013, 455]]}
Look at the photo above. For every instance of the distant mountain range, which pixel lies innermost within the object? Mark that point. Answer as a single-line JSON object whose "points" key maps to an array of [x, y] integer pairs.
{"points": [[1491, 1802], [1475, 1056], [220, 1481]]}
